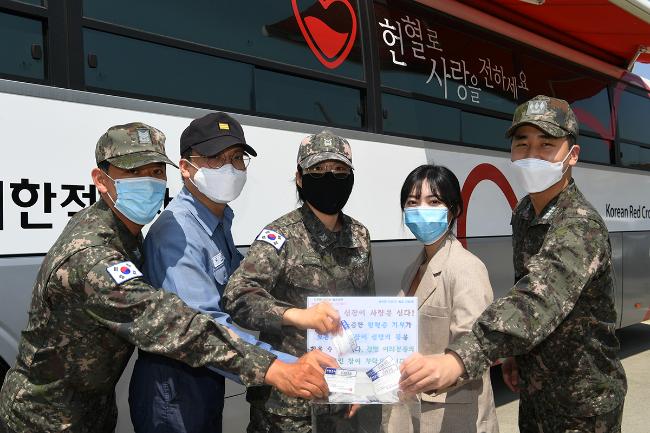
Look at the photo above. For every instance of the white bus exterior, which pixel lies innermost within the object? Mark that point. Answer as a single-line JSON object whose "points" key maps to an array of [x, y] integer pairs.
{"points": [[49, 134]]}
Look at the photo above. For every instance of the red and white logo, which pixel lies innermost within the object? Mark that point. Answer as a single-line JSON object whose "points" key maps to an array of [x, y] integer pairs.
{"points": [[331, 47], [478, 174]]}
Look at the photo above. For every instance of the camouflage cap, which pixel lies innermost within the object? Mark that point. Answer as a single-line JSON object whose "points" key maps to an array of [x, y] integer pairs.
{"points": [[552, 115], [323, 146], [132, 145]]}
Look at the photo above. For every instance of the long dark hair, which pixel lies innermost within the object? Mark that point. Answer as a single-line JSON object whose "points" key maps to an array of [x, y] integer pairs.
{"points": [[443, 184]]}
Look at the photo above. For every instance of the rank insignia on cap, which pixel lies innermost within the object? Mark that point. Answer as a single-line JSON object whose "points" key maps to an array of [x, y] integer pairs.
{"points": [[144, 136], [272, 237], [124, 271], [224, 126], [536, 107]]}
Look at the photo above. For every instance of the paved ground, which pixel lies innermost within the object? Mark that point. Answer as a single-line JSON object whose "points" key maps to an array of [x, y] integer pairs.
{"points": [[635, 353]]}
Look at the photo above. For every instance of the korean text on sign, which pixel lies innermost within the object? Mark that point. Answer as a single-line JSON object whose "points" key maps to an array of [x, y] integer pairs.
{"points": [[382, 326]]}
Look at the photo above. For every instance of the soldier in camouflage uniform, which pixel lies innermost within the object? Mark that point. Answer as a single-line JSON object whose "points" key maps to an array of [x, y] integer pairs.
{"points": [[90, 307], [315, 250], [558, 321]]}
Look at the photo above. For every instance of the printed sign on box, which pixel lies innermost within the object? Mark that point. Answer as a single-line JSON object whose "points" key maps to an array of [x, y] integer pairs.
{"points": [[382, 326]]}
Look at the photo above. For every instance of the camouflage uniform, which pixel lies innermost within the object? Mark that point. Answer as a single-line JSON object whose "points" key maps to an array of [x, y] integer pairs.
{"points": [[308, 260], [83, 323], [559, 319]]}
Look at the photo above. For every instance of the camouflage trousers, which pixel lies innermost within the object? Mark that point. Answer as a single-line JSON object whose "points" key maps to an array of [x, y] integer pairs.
{"points": [[3, 427], [368, 419], [532, 422]]}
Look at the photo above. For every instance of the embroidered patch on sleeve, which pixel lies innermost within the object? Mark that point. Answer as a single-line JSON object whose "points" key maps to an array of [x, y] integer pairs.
{"points": [[272, 237], [125, 271]]}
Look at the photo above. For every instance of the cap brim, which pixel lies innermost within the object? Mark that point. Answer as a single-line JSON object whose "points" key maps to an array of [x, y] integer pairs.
{"points": [[548, 127], [324, 156], [135, 160], [215, 145]]}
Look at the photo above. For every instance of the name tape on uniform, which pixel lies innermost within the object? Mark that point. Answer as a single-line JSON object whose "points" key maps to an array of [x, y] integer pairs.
{"points": [[218, 260], [124, 271], [272, 237]]}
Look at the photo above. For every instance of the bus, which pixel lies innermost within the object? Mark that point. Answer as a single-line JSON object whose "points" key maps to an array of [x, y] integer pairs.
{"points": [[407, 82]]}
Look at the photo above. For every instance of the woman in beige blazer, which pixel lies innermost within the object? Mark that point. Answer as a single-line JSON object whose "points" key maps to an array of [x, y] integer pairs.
{"points": [[453, 289]]}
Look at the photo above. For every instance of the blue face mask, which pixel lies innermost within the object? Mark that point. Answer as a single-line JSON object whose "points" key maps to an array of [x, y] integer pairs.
{"points": [[428, 224], [139, 198]]}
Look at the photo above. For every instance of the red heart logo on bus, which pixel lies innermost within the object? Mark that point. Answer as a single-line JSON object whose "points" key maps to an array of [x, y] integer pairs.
{"points": [[330, 46]]}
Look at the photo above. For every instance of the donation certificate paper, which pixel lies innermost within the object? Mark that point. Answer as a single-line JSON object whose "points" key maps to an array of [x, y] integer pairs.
{"points": [[382, 326], [385, 333]]}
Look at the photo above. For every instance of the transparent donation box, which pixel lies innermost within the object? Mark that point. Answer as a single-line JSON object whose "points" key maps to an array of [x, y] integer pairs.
{"points": [[377, 335]]}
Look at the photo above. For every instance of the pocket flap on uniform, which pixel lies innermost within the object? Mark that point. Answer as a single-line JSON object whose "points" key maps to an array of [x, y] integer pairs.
{"points": [[220, 275], [310, 260]]}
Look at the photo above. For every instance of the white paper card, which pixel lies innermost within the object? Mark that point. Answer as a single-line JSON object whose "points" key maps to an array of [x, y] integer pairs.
{"points": [[340, 381], [385, 376], [345, 342]]}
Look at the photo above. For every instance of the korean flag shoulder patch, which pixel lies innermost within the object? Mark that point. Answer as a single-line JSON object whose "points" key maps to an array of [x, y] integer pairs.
{"points": [[272, 237], [125, 271]]}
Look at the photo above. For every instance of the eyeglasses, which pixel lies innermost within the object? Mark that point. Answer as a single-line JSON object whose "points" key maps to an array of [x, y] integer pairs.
{"points": [[321, 170], [240, 162]]}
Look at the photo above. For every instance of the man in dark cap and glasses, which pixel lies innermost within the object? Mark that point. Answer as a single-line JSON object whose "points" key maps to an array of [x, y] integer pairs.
{"points": [[190, 252], [90, 307]]}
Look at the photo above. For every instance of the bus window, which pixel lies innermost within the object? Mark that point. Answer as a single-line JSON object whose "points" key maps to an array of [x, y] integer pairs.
{"points": [[143, 68], [635, 156], [633, 111], [265, 29], [588, 96], [420, 119], [594, 113], [422, 51], [485, 131], [19, 36], [308, 100], [594, 149]]}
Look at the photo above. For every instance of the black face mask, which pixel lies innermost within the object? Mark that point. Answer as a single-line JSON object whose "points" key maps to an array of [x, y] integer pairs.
{"points": [[327, 194]]}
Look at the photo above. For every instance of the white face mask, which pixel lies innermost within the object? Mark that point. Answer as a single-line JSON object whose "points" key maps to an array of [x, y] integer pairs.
{"points": [[536, 175], [221, 185]]}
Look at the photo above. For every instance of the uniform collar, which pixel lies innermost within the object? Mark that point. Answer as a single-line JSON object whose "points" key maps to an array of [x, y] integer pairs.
{"points": [[552, 207], [203, 215], [325, 237], [131, 244]]}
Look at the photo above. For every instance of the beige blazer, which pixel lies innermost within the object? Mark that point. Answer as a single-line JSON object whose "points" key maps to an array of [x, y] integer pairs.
{"points": [[453, 292]]}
